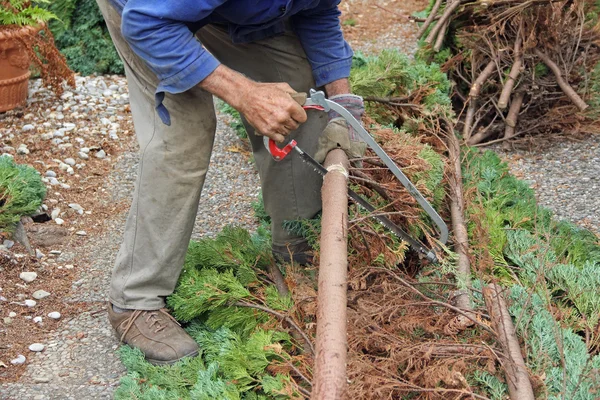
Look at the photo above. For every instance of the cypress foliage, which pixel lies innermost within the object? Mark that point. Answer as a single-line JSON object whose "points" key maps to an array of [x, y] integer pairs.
{"points": [[21, 192], [82, 36]]}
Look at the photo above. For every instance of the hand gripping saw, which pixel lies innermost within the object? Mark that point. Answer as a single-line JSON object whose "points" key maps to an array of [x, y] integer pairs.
{"points": [[317, 101]]}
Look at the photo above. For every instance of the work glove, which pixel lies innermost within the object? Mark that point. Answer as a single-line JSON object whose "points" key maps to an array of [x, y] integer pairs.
{"points": [[338, 134]]}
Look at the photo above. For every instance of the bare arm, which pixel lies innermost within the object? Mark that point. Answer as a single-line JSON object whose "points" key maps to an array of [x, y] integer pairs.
{"points": [[268, 107]]}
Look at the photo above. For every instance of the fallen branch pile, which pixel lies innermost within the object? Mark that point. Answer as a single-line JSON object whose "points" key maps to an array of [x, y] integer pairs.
{"points": [[520, 66]]}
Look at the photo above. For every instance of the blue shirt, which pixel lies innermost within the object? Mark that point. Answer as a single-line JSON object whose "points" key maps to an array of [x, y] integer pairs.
{"points": [[161, 32]]}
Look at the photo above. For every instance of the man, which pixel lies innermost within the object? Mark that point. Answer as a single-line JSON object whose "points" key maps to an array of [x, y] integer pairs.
{"points": [[253, 55]]}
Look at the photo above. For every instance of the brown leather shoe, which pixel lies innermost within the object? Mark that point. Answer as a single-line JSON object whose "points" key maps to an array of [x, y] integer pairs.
{"points": [[157, 334]]}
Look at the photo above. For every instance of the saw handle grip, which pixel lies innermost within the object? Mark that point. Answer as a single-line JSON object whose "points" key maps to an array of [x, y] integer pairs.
{"points": [[271, 146]]}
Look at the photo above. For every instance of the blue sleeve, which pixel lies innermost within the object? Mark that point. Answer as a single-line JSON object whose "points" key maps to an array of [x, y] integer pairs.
{"points": [[321, 36], [156, 32]]}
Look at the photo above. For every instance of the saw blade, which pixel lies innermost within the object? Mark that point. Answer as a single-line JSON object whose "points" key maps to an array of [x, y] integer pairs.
{"points": [[385, 221]]}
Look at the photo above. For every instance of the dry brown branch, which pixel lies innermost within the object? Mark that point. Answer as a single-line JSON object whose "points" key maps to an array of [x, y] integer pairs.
{"points": [[441, 36], [435, 31], [432, 15], [330, 380], [461, 236], [512, 76], [513, 114], [564, 85], [519, 386], [482, 78]]}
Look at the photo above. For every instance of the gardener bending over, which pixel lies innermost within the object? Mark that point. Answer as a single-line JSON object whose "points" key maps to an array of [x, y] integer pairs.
{"points": [[253, 55]]}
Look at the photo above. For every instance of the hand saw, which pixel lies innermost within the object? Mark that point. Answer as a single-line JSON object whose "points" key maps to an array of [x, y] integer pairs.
{"points": [[318, 101]]}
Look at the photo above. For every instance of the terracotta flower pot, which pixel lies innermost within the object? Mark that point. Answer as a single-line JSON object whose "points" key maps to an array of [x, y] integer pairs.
{"points": [[14, 67]]}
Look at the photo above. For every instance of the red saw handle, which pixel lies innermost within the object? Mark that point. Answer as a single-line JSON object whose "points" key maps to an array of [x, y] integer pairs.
{"points": [[279, 154]]}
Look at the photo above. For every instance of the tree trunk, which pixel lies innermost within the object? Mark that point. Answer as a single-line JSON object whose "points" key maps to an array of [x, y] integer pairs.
{"points": [[331, 349]]}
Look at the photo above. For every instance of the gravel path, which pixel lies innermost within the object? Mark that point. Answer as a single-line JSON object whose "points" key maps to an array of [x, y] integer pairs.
{"points": [[565, 175], [79, 361]]}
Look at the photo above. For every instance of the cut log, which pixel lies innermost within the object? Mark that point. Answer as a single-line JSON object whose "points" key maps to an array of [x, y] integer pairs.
{"points": [[330, 382], [519, 385]]}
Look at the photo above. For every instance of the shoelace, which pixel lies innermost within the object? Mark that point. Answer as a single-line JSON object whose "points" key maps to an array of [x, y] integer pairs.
{"points": [[152, 318]]}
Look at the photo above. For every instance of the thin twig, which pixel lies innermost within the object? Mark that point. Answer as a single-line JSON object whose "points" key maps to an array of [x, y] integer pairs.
{"points": [[280, 316]]}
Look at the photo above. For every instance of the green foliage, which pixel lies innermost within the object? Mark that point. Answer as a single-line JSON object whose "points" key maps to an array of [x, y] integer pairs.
{"points": [[82, 36], [349, 22], [309, 229], [393, 74], [21, 192], [23, 12], [236, 351], [555, 352], [495, 389], [235, 121]]}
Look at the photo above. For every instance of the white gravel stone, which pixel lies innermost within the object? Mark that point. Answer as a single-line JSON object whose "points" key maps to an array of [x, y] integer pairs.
{"points": [[47, 135], [30, 303], [69, 126], [83, 155], [84, 150], [54, 181], [23, 149], [51, 174], [59, 221], [76, 207], [40, 294], [65, 186], [101, 154], [37, 320], [28, 276], [12, 314], [39, 254], [81, 233], [19, 360], [55, 213], [8, 243], [27, 128], [54, 315], [37, 347], [70, 161]]}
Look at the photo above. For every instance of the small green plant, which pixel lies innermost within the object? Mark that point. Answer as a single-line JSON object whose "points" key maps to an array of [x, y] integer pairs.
{"points": [[24, 13], [349, 22], [21, 192], [235, 119]]}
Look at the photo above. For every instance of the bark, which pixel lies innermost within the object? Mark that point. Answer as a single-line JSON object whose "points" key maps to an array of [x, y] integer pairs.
{"points": [[519, 386], [485, 74], [461, 238], [330, 380], [468, 127], [435, 31], [513, 115], [430, 18], [564, 85], [512, 76], [439, 42]]}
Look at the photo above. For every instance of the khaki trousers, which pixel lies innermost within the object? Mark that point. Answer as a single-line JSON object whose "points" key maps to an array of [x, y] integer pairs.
{"points": [[174, 161]]}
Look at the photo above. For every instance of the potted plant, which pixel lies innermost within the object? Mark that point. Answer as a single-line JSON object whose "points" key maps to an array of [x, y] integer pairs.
{"points": [[25, 39]]}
